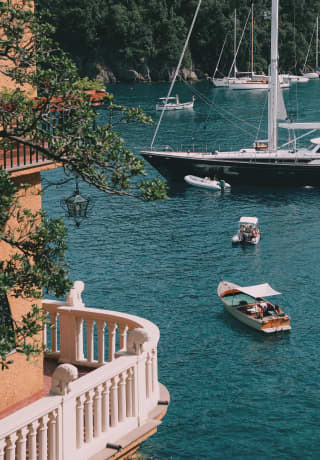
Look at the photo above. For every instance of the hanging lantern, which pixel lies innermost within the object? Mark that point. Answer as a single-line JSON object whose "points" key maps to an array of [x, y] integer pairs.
{"points": [[76, 205]]}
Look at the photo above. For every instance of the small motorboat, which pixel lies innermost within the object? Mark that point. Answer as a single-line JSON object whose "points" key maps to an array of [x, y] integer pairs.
{"points": [[248, 231], [248, 305], [173, 103], [206, 182]]}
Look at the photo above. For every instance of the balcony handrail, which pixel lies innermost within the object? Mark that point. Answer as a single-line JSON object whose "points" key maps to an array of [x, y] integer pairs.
{"points": [[28, 414]]}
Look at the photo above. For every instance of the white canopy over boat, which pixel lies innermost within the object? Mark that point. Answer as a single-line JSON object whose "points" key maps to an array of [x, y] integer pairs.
{"points": [[260, 290], [248, 220]]}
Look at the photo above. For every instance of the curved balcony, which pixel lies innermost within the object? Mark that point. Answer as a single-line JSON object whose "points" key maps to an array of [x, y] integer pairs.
{"points": [[108, 411]]}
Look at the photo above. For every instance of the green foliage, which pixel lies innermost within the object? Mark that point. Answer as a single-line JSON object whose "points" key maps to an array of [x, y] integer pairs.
{"points": [[63, 124], [128, 32]]}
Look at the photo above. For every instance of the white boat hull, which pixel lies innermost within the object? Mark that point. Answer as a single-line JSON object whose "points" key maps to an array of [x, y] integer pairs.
{"points": [[205, 183], [265, 325], [311, 75], [170, 106], [236, 239]]}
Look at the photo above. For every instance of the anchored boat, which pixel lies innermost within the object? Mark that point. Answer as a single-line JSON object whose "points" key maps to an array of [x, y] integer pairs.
{"points": [[166, 103], [248, 231], [206, 182], [248, 305], [287, 165]]}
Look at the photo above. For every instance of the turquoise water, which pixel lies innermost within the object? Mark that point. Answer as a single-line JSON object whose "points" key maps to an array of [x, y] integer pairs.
{"points": [[234, 392]]}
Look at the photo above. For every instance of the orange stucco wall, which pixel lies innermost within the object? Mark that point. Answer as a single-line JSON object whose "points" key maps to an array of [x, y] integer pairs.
{"points": [[23, 379], [6, 82]]}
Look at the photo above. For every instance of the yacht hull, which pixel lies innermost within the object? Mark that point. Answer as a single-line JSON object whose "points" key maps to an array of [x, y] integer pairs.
{"points": [[255, 172]]}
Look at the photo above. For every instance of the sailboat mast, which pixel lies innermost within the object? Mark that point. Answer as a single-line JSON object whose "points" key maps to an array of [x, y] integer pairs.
{"points": [[273, 80], [252, 38], [235, 44], [317, 45]]}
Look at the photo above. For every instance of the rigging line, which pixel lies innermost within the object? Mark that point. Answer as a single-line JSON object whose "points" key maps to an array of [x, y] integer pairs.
{"points": [[176, 72], [260, 122], [295, 57], [305, 62], [219, 110], [227, 116], [216, 69], [235, 56], [298, 138]]}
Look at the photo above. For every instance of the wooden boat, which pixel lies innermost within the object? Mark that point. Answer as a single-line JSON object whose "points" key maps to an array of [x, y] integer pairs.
{"points": [[206, 182], [247, 304], [248, 231], [173, 103]]}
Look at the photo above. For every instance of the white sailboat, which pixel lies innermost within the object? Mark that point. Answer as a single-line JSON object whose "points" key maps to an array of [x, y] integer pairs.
{"points": [[225, 81], [307, 70], [287, 165], [173, 103]]}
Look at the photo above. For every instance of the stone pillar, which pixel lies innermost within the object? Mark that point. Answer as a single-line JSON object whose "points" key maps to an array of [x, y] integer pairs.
{"points": [[105, 406], [122, 396], [2, 446], [43, 438], [79, 421], [97, 411], [32, 439], [79, 339], [90, 345], [155, 383], [129, 395], [112, 327], [114, 401], [123, 330], [11, 447], [88, 416], [149, 375], [52, 435], [101, 342], [22, 444]]}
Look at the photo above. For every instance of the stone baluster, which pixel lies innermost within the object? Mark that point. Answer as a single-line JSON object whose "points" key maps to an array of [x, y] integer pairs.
{"points": [[112, 328], [52, 435], [123, 330], [134, 392], [122, 396], [129, 394], [90, 344], [97, 399], [105, 406], [114, 401], [2, 446], [79, 339], [101, 342], [32, 439], [155, 383], [11, 447], [149, 375], [88, 416], [54, 323], [43, 438], [79, 421], [22, 444]]}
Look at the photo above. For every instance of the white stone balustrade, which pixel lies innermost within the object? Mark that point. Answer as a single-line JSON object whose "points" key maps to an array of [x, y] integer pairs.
{"points": [[105, 404]]}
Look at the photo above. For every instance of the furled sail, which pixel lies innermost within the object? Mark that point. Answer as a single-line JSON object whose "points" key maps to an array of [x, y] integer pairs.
{"points": [[281, 107]]}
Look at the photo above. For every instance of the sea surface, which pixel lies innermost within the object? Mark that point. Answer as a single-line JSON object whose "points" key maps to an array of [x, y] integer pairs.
{"points": [[235, 393]]}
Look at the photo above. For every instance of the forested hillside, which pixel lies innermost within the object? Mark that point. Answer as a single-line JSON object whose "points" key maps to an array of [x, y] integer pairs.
{"points": [[143, 39]]}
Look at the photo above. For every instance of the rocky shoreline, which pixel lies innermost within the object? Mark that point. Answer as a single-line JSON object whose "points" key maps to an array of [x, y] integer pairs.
{"points": [[141, 74]]}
